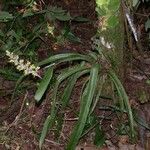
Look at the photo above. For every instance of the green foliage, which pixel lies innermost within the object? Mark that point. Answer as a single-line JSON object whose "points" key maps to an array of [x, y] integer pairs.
{"points": [[51, 118], [147, 27], [19, 36], [124, 101], [9, 74], [136, 3], [90, 94], [96, 66], [110, 25], [105, 9], [54, 13], [44, 84], [19, 2], [140, 120], [90, 65], [99, 136], [5, 16], [147, 24], [86, 101]]}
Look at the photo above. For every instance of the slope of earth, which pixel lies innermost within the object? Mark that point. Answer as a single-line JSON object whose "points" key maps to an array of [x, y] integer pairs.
{"points": [[21, 122]]}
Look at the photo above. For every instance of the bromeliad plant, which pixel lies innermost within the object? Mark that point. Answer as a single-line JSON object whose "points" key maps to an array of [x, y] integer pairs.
{"points": [[97, 69], [98, 66]]}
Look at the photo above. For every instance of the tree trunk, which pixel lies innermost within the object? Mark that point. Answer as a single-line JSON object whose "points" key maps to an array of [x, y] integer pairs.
{"points": [[111, 32]]}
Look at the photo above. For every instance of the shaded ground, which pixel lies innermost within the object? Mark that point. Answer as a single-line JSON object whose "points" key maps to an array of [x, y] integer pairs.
{"points": [[22, 122]]}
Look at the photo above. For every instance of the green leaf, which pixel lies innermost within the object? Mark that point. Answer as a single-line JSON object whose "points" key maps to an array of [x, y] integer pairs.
{"points": [[5, 16], [101, 3], [28, 13], [54, 13], [56, 9], [135, 3], [68, 72], [64, 101], [124, 101], [14, 34], [59, 123], [101, 12], [64, 57], [47, 124], [67, 34], [63, 17], [70, 36], [81, 19], [147, 25], [1, 33], [94, 55], [50, 16], [120, 89], [114, 5], [98, 92], [9, 74], [141, 121], [67, 94], [68, 90], [99, 137], [86, 101], [148, 81], [51, 118], [112, 21], [44, 84]]}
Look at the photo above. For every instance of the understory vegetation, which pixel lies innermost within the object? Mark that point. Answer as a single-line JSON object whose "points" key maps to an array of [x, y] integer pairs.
{"points": [[69, 89]]}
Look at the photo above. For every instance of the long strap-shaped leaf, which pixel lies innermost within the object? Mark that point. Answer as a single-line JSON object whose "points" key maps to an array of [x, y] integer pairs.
{"points": [[51, 118], [66, 97], [86, 101], [122, 95], [98, 92], [64, 58], [44, 84], [68, 90]]}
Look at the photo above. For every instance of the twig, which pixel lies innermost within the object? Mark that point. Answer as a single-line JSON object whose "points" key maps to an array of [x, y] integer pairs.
{"points": [[14, 123], [54, 143], [144, 15], [71, 119]]}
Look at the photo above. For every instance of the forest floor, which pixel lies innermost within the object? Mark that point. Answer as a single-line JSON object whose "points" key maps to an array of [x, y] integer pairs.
{"points": [[21, 123]]}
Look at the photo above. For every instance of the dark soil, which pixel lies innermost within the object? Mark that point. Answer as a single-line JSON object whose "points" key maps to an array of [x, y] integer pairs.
{"points": [[21, 121]]}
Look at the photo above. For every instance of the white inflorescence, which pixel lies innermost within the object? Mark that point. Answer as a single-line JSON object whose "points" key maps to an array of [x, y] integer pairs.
{"points": [[21, 65]]}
